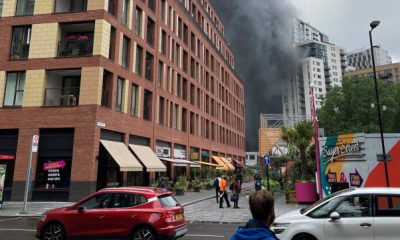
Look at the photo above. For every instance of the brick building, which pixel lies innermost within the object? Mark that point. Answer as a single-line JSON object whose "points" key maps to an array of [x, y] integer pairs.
{"points": [[102, 82]]}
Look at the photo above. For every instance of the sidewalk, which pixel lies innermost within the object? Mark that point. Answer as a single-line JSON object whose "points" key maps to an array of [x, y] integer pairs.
{"points": [[36, 209]]}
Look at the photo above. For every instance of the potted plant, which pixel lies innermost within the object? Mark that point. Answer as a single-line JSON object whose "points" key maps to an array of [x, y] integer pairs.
{"points": [[209, 184], [302, 172], [180, 186], [197, 185]]}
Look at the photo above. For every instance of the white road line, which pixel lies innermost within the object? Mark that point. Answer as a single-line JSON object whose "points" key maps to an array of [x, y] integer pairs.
{"points": [[200, 235], [8, 219], [17, 229]]}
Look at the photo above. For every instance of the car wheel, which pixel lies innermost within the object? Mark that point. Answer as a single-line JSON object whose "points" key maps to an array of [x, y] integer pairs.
{"points": [[143, 233], [304, 236], [53, 231]]}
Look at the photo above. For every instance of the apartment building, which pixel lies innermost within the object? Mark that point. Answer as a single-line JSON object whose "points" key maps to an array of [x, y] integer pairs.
{"points": [[362, 58], [120, 92], [388, 72], [303, 32]]}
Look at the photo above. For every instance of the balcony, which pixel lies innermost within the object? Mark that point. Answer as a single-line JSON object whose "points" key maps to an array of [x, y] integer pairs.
{"points": [[76, 39], [74, 48], [63, 88], [61, 97], [64, 6]]}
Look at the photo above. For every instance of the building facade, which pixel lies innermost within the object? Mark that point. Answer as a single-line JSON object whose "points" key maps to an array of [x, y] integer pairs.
{"points": [[388, 72], [303, 32], [322, 66], [362, 59], [97, 79]]}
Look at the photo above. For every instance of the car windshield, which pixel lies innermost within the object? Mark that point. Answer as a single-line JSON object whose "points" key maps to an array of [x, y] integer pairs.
{"points": [[303, 210], [168, 201]]}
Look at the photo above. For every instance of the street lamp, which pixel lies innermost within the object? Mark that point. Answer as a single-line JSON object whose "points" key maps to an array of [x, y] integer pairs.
{"points": [[316, 135], [373, 25]]}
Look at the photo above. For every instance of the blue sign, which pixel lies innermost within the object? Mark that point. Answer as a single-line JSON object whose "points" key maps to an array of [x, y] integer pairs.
{"points": [[267, 160]]}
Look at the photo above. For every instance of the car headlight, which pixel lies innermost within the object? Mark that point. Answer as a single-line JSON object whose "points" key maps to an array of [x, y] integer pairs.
{"points": [[279, 228]]}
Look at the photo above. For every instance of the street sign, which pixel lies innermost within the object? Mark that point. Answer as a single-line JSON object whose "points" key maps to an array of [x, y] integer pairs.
{"points": [[2, 180], [267, 160], [35, 143]]}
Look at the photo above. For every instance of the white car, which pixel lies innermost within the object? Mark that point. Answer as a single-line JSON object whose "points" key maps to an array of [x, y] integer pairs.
{"points": [[362, 213]]}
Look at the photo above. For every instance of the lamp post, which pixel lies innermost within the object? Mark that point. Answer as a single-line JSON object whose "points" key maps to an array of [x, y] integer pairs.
{"points": [[315, 123], [373, 25]]}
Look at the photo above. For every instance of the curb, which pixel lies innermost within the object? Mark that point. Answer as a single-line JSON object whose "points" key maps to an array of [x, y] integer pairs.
{"points": [[213, 222]]}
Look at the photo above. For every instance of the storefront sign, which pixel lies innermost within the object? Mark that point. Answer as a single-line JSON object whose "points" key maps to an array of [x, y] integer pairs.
{"points": [[2, 180], [179, 154], [6, 157], [100, 124], [163, 152], [355, 179], [194, 156], [331, 177], [54, 165], [345, 149], [53, 175]]}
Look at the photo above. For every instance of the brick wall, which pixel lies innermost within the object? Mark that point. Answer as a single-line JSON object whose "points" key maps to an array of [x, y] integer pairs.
{"points": [[97, 4], [102, 32], [91, 86], [9, 7], [44, 6]]}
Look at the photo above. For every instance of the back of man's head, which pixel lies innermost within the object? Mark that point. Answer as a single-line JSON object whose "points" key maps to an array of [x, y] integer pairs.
{"points": [[261, 206]]}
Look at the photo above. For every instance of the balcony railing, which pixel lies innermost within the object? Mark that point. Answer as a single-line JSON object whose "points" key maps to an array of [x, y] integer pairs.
{"points": [[73, 48], [61, 97]]}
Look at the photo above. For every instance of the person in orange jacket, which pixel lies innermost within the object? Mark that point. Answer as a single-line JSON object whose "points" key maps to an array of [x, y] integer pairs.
{"points": [[222, 193]]}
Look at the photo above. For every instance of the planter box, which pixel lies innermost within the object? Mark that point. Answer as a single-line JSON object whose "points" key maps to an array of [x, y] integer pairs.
{"points": [[290, 197], [179, 192], [306, 192]]}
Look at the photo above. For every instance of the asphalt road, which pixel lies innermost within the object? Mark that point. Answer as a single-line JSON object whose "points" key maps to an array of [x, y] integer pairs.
{"points": [[24, 228]]}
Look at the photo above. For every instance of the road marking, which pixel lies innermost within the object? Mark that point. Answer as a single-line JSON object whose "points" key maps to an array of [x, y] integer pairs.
{"points": [[200, 235], [17, 229], [8, 219]]}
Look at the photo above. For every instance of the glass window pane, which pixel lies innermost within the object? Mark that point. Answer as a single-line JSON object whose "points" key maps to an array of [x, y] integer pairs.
{"points": [[355, 206], [10, 89], [119, 94], [98, 201], [134, 100]]}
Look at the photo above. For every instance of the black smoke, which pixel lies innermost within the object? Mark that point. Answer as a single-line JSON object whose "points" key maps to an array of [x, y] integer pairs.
{"points": [[260, 34]]}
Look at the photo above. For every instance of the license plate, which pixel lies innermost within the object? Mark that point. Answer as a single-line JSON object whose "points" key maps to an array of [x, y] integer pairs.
{"points": [[178, 217]]}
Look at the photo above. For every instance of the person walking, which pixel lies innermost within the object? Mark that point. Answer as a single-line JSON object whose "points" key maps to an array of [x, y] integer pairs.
{"points": [[236, 192], [216, 186], [262, 210], [222, 194], [240, 177], [258, 184]]}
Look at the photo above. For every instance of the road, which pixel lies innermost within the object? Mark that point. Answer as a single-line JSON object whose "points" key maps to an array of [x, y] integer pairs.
{"points": [[19, 228]]}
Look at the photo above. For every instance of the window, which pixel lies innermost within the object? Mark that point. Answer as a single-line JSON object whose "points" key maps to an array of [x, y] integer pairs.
{"points": [[168, 201], [113, 37], [150, 31], [149, 66], [177, 54], [152, 5], [161, 110], [162, 10], [184, 89], [25, 7], [120, 91], [185, 61], [388, 206], [14, 92], [147, 103], [125, 200], [134, 100], [139, 60], [70, 6], [20, 42], [163, 46], [325, 209], [176, 114], [112, 7], [192, 123], [1, 7], [98, 201], [160, 80], [138, 21], [124, 12], [126, 42], [355, 206], [184, 119]]}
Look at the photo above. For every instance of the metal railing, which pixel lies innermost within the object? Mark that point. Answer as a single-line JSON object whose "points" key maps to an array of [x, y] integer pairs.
{"points": [[71, 48], [61, 97]]}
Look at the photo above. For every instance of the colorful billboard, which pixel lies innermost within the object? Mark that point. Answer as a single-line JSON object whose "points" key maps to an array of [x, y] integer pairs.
{"points": [[353, 159]]}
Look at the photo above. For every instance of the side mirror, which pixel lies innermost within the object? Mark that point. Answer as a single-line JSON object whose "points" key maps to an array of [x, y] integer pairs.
{"points": [[81, 209], [334, 216]]}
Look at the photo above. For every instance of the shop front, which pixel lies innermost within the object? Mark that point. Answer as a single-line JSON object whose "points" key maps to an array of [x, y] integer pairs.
{"points": [[8, 150], [54, 162]]}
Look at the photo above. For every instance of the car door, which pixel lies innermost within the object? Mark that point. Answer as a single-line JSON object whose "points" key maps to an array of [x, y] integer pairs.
{"points": [[355, 222], [387, 217], [90, 221]]}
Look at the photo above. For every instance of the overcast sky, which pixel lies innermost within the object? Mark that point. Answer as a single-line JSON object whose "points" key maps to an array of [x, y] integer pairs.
{"points": [[346, 22]]}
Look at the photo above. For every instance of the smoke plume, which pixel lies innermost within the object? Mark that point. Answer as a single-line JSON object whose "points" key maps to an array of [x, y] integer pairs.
{"points": [[260, 33]]}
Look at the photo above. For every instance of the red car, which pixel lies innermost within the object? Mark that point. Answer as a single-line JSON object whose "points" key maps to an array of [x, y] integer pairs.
{"points": [[127, 212]]}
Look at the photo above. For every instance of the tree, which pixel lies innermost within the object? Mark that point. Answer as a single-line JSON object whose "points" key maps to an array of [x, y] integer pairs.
{"points": [[349, 109], [300, 137]]}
